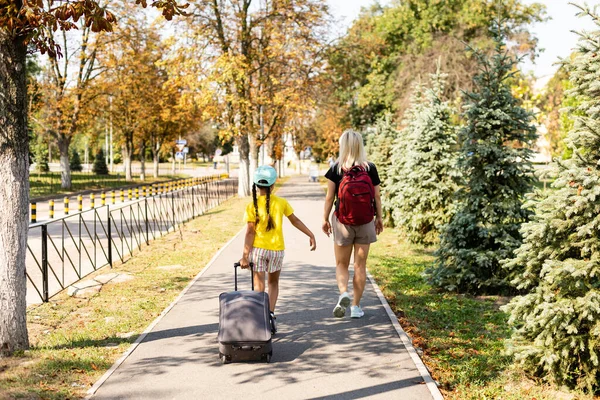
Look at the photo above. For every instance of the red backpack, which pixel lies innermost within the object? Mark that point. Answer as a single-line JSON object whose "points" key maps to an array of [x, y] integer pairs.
{"points": [[356, 198]]}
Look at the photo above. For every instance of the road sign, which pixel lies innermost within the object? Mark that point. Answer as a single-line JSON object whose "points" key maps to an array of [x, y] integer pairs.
{"points": [[179, 155], [186, 150], [218, 152], [180, 144]]}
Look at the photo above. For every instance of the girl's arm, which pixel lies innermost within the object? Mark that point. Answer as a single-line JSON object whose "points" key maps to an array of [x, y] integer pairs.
{"points": [[302, 228], [248, 243], [328, 206], [378, 210]]}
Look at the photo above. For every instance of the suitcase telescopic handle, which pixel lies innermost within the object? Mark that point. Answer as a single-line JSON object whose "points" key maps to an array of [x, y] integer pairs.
{"points": [[235, 267]]}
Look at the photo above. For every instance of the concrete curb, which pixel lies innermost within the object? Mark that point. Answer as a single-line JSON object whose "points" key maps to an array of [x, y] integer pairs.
{"points": [[91, 391], [431, 385]]}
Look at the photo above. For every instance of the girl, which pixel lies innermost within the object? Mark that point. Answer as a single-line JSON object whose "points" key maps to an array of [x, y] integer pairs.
{"points": [[264, 245], [351, 237]]}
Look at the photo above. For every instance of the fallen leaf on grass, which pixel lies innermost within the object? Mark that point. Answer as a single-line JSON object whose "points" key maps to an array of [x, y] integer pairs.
{"points": [[94, 367]]}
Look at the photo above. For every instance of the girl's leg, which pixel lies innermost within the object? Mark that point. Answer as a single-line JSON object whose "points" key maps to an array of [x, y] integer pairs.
{"points": [[259, 281], [361, 252], [273, 289], [342, 262]]}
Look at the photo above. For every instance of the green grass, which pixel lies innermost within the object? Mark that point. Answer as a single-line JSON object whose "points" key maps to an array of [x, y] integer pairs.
{"points": [[74, 341], [462, 337], [48, 183]]}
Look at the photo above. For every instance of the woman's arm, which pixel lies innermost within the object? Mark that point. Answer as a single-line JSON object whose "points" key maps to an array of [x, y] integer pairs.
{"points": [[248, 243], [302, 228], [328, 206], [378, 211]]}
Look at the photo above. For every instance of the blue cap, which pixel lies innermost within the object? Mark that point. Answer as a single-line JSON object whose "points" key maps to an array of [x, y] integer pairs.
{"points": [[265, 176]]}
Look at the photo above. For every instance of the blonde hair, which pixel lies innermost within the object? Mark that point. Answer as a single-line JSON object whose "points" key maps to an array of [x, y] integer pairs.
{"points": [[352, 151]]}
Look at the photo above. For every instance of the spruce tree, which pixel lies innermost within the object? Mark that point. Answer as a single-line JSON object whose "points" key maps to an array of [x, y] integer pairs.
{"points": [[99, 167], [392, 200], [429, 179], [557, 324], [75, 162], [379, 151], [40, 156], [494, 161]]}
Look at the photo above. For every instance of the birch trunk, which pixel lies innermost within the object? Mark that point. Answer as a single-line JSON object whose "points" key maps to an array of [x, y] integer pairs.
{"points": [[14, 195]]}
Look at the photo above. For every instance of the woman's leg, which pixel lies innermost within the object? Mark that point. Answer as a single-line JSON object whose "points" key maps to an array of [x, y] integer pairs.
{"points": [[342, 262], [273, 289], [361, 252], [259, 281]]}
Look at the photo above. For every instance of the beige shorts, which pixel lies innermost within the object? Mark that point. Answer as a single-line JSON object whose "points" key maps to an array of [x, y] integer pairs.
{"points": [[345, 235]]}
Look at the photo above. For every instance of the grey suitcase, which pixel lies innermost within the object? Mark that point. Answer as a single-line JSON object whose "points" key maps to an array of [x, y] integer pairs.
{"points": [[244, 325]]}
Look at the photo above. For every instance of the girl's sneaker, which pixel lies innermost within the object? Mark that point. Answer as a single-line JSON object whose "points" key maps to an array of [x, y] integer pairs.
{"points": [[356, 312], [273, 323], [340, 308]]}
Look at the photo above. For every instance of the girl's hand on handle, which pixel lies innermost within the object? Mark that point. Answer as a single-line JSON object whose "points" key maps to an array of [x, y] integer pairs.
{"points": [[244, 263], [313, 243], [326, 228], [378, 225]]}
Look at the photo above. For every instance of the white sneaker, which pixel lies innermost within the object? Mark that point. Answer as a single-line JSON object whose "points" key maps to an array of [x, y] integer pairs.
{"points": [[340, 308], [356, 312]]}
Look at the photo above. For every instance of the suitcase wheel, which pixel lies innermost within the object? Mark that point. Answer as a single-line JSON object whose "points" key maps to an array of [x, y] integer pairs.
{"points": [[267, 357], [224, 359]]}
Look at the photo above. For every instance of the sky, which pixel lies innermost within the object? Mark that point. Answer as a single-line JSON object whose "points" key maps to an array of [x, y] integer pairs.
{"points": [[555, 35]]}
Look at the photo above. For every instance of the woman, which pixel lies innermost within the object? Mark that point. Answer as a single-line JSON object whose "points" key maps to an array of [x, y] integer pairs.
{"points": [[348, 237]]}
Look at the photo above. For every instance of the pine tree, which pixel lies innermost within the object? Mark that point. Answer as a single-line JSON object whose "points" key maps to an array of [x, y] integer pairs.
{"points": [[99, 167], [40, 154], [379, 151], [392, 199], [557, 324], [75, 162], [429, 179], [494, 161]]}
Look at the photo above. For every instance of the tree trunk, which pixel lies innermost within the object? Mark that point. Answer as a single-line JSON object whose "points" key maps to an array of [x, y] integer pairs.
{"points": [[299, 167], [156, 158], [244, 177], [65, 165], [14, 196], [173, 170], [127, 154], [143, 161]]}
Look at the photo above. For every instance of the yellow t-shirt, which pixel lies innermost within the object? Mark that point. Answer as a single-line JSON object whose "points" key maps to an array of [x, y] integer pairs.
{"points": [[273, 239]]}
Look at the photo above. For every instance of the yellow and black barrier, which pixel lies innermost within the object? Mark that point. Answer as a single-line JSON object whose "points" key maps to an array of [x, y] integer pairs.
{"points": [[103, 198], [51, 209], [80, 203], [66, 205], [92, 200], [33, 212]]}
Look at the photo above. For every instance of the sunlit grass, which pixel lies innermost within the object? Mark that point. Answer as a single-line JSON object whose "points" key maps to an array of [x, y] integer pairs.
{"points": [[462, 337]]}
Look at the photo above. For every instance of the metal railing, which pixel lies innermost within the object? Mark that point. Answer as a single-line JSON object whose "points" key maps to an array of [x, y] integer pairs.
{"points": [[65, 250]]}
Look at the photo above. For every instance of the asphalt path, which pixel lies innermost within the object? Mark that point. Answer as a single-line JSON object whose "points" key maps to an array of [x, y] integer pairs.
{"points": [[315, 355]]}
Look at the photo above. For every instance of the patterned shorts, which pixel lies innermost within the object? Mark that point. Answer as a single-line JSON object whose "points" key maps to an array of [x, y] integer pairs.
{"points": [[266, 260]]}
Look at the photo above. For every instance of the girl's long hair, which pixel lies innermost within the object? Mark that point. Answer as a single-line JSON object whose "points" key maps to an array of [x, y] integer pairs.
{"points": [[352, 151], [268, 205]]}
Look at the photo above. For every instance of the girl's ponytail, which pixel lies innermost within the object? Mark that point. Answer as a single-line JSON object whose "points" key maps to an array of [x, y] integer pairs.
{"points": [[255, 200], [269, 219]]}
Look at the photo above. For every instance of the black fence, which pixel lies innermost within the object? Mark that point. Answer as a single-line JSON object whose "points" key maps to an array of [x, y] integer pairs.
{"points": [[65, 250]]}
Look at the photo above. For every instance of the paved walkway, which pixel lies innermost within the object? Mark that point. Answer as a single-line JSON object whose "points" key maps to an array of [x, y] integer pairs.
{"points": [[315, 356]]}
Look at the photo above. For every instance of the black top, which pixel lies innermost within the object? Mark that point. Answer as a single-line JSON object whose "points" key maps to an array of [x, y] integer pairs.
{"points": [[333, 175]]}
